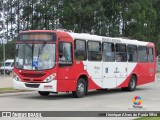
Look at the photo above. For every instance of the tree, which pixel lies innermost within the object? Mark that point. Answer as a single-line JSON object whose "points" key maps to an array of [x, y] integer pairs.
{"points": [[135, 19], [140, 18]]}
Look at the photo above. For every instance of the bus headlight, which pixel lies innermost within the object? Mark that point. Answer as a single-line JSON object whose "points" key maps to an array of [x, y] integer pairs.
{"points": [[16, 77], [49, 78]]}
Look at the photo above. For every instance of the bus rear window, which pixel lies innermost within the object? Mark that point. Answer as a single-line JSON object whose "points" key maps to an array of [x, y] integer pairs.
{"points": [[37, 36]]}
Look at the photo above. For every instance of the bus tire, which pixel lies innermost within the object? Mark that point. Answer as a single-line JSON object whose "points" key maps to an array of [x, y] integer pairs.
{"points": [[132, 84], [43, 93], [80, 89]]}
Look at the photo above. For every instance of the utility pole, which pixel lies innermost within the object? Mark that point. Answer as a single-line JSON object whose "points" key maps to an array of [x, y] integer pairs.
{"points": [[2, 32]]}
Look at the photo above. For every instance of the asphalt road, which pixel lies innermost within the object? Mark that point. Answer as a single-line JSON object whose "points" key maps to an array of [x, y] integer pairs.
{"points": [[111, 100]]}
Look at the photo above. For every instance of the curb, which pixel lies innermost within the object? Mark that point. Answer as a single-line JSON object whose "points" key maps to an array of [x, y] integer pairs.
{"points": [[14, 91]]}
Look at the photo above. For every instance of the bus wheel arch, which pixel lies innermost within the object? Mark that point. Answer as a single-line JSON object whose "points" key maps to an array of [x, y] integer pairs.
{"points": [[132, 84], [81, 87]]}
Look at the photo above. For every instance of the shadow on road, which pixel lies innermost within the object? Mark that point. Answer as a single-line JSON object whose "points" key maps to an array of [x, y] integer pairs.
{"points": [[62, 96]]}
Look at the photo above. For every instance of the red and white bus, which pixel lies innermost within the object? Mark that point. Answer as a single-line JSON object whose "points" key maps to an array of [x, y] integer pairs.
{"points": [[51, 61]]}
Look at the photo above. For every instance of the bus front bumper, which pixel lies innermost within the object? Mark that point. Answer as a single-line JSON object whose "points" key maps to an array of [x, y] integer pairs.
{"points": [[51, 86]]}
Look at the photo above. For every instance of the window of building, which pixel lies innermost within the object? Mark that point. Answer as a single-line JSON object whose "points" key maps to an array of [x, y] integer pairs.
{"points": [[150, 55], [121, 54], [142, 54], [94, 51], [108, 52], [65, 54], [80, 50], [132, 53]]}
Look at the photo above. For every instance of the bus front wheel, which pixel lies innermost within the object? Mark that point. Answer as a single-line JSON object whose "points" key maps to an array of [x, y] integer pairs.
{"points": [[43, 93], [132, 84], [80, 89]]}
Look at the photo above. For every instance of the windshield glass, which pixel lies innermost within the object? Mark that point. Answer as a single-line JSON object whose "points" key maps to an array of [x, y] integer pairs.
{"points": [[7, 64], [35, 56]]}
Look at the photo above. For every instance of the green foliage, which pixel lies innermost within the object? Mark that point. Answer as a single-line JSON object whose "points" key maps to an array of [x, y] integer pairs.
{"points": [[137, 19], [9, 50]]}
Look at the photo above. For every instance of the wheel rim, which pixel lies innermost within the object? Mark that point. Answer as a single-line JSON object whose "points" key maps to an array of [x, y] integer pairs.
{"points": [[81, 88], [132, 83]]}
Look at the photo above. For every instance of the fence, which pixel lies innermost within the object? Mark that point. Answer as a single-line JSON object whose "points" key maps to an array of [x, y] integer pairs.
{"points": [[158, 63]]}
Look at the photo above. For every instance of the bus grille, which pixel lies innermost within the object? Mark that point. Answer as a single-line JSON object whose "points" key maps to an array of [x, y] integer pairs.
{"points": [[32, 85], [31, 75], [33, 80]]}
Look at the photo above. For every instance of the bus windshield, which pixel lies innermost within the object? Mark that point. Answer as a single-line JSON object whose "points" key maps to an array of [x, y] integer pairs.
{"points": [[35, 56]]}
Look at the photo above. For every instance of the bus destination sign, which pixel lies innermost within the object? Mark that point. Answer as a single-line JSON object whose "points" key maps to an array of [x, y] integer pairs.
{"points": [[38, 36]]}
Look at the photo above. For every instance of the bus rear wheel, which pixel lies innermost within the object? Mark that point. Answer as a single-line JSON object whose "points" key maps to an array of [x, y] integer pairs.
{"points": [[43, 93], [80, 89], [132, 84]]}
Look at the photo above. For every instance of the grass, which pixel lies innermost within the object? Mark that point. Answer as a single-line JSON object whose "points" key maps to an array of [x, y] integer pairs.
{"points": [[6, 89], [148, 118]]}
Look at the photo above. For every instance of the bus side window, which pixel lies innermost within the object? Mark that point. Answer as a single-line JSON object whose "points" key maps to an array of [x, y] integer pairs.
{"points": [[132, 53], [65, 54], [108, 52], [150, 55], [142, 54], [80, 50], [94, 51], [121, 53]]}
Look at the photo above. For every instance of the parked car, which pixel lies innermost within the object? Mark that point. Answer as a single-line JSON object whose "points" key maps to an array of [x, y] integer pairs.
{"points": [[9, 65]]}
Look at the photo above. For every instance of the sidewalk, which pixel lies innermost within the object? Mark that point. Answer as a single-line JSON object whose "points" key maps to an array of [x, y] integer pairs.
{"points": [[6, 81]]}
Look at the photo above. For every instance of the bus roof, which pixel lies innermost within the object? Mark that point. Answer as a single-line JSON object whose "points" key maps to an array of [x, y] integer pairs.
{"points": [[86, 36]]}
